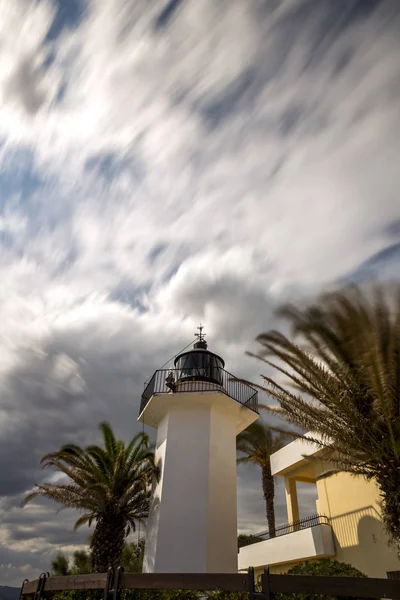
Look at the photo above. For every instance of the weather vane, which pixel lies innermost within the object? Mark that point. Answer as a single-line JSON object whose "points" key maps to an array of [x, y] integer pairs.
{"points": [[201, 334]]}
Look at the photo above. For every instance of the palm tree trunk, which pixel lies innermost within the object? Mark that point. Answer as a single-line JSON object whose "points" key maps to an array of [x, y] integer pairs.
{"points": [[107, 544], [269, 493]]}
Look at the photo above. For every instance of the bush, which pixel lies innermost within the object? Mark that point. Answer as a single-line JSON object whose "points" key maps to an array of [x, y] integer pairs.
{"points": [[324, 568], [159, 595]]}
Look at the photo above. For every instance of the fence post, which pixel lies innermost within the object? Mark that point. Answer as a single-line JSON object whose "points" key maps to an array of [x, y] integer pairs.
{"points": [[265, 584], [40, 586], [109, 581], [117, 577], [250, 583], [22, 588]]}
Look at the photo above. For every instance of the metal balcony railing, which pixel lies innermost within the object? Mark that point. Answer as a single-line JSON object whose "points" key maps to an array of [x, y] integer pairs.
{"points": [[174, 381], [305, 523]]}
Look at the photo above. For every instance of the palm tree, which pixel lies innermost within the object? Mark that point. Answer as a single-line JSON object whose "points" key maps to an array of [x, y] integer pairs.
{"points": [[345, 384], [110, 486], [257, 443]]}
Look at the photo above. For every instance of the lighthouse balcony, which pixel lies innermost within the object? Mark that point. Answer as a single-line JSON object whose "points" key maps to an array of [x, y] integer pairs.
{"points": [[209, 379]]}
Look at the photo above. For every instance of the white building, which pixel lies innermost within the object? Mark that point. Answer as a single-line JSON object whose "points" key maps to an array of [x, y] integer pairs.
{"points": [[347, 524]]}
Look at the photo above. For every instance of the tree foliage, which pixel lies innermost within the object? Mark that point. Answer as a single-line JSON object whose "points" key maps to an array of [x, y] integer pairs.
{"points": [[131, 560], [81, 563], [132, 556], [60, 565], [344, 384], [324, 568], [247, 540], [109, 485], [256, 444]]}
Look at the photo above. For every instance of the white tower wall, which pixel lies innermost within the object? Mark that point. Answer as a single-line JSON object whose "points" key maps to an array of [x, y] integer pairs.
{"points": [[192, 526]]}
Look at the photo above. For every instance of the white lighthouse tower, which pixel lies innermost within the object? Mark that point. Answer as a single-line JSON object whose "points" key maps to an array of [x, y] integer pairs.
{"points": [[198, 409]]}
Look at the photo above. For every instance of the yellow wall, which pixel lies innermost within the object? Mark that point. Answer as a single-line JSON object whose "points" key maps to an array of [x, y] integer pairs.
{"points": [[353, 506]]}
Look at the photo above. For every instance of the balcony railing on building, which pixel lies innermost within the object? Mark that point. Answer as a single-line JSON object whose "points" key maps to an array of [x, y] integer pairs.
{"points": [[305, 523], [174, 381]]}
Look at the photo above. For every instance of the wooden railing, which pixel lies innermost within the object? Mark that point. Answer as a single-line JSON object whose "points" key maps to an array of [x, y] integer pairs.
{"points": [[116, 580]]}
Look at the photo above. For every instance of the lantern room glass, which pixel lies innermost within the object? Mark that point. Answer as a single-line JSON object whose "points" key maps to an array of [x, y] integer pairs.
{"points": [[200, 366]]}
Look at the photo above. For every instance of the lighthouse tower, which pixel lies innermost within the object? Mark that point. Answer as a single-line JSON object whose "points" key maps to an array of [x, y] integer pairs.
{"points": [[198, 409]]}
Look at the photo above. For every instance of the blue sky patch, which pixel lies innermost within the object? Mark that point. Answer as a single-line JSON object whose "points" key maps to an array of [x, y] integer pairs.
{"points": [[69, 14]]}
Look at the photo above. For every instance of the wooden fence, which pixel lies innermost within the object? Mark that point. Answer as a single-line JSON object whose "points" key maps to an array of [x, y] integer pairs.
{"points": [[116, 580]]}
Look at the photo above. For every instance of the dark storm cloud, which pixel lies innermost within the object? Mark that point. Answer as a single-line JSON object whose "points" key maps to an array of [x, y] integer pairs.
{"points": [[59, 393], [20, 558], [51, 412], [54, 533], [250, 307], [251, 503]]}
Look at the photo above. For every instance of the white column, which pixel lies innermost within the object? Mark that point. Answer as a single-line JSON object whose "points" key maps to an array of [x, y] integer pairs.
{"points": [[192, 525]]}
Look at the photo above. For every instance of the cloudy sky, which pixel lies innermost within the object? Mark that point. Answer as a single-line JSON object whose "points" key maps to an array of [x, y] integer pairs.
{"points": [[164, 162]]}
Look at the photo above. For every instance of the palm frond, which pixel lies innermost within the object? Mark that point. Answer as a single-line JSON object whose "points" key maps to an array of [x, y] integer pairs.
{"points": [[110, 442], [106, 483]]}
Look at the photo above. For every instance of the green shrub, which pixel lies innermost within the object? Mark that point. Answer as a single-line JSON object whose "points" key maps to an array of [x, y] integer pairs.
{"points": [[324, 568], [222, 595], [159, 595]]}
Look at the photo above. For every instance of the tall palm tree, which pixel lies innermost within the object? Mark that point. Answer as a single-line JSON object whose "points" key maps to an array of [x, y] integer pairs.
{"points": [[257, 443], [110, 485], [345, 384]]}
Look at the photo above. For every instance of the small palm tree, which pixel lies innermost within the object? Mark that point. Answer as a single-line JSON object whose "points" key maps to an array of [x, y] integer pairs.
{"points": [[257, 443], [344, 384], [110, 485]]}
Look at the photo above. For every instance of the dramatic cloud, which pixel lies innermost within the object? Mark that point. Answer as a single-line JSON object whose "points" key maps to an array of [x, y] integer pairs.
{"points": [[163, 163]]}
